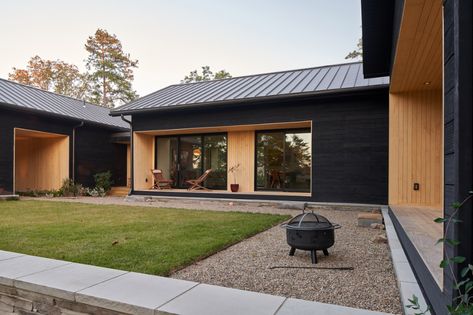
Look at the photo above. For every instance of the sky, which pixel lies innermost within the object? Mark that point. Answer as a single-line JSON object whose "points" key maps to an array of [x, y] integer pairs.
{"points": [[172, 37]]}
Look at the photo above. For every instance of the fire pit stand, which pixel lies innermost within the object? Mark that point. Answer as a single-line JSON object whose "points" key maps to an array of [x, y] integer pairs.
{"points": [[311, 232]]}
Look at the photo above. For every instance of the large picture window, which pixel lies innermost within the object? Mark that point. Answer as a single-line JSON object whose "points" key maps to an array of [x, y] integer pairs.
{"points": [[283, 160], [186, 157]]}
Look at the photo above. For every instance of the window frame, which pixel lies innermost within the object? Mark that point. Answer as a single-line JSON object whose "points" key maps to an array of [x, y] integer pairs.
{"points": [[202, 136], [284, 131]]}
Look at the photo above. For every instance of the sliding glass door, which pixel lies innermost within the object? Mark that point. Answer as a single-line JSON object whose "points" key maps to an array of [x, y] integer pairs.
{"points": [[283, 160], [186, 157]]}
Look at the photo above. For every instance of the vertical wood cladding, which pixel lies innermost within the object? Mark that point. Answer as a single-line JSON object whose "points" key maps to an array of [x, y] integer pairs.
{"points": [[93, 146], [241, 150], [143, 161], [415, 148], [349, 138], [458, 131], [41, 163]]}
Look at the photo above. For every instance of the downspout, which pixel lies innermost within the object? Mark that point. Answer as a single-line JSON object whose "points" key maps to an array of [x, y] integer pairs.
{"points": [[132, 166], [74, 150]]}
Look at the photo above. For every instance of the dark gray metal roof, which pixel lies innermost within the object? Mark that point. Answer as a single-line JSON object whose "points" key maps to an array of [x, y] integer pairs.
{"points": [[26, 97], [300, 82]]}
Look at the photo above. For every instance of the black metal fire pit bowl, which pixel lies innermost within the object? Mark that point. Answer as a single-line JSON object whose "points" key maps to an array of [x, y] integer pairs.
{"points": [[312, 232]]}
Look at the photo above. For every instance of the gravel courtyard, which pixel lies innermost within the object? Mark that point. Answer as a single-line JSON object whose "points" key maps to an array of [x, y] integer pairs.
{"points": [[247, 265]]}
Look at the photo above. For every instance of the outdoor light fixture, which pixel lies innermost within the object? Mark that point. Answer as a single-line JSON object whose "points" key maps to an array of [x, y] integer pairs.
{"points": [[427, 83]]}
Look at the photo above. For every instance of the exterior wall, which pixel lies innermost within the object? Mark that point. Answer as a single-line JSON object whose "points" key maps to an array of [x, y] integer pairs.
{"points": [[458, 125], [415, 148], [96, 153], [41, 163], [349, 139], [93, 147], [241, 150], [143, 161]]}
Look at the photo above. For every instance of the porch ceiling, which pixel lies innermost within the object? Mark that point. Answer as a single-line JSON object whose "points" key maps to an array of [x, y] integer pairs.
{"points": [[215, 129], [418, 60]]}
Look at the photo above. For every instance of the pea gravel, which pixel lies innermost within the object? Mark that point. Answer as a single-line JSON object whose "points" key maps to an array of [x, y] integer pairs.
{"points": [[246, 265]]}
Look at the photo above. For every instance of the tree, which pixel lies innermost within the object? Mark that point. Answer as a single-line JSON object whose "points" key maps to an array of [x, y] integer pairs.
{"points": [[358, 52], [110, 70], [205, 75], [51, 75]]}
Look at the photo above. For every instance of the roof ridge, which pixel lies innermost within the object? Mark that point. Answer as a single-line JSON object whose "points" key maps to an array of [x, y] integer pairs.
{"points": [[267, 73], [54, 93]]}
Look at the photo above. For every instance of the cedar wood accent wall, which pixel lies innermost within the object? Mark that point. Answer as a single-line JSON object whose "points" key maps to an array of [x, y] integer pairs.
{"points": [[415, 148], [41, 163], [415, 108], [241, 149], [349, 139], [143, 161], [94, 151]]}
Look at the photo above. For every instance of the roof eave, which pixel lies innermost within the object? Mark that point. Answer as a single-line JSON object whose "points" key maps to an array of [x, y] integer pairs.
{"points": [[250, 100], [55, 115]]}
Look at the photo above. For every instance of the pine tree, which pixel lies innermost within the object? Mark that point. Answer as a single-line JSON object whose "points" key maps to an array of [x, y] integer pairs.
{"points": [[110, 70], [205, 75]]}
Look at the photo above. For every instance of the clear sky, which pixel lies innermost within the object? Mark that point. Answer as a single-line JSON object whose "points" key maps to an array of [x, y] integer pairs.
{"points": [[172, 37]]}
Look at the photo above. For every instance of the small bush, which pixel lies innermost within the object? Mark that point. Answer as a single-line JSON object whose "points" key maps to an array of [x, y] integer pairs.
{"points": [[69, 188], [95, 192], [104, 181]]}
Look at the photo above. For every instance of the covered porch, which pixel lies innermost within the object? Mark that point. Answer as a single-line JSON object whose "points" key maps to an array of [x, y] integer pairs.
{"points": [[262, 159], [416, 148]]}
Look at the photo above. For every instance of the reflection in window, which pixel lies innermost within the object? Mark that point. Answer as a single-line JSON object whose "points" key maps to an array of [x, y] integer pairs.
{"points": [[283, 160], [187, 157]]}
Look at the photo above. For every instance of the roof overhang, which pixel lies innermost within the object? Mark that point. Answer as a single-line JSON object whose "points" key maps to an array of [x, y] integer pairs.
{"points": [[377, 29], [259, 100], [45, 114]]}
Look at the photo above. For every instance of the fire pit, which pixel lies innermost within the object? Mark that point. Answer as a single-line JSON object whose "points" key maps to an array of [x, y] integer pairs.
{"points": [[312, 232]]}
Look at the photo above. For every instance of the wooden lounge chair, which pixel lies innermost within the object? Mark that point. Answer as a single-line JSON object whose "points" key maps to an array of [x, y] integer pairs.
{"points": [[159, 181], [196, 184]]}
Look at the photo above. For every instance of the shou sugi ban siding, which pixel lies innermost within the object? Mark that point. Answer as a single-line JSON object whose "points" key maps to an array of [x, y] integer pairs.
{"points": [[241, 150], [415, 148], [143, 160]]}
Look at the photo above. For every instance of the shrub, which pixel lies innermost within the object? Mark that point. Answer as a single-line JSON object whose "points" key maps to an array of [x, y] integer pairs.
{"points": [[95, 192], [69, 188], [104, 181]]}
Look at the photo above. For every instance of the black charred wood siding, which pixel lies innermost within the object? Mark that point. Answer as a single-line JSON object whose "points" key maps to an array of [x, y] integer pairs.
{"points": [[458, 117], [9, 120], [93, 145], [349, 138], [95, 153]]}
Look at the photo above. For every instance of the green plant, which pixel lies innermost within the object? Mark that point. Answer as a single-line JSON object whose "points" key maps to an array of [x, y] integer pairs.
{"points": [[69, 188], [232, 170], [104, 181], [462, 304], [95, 192]]}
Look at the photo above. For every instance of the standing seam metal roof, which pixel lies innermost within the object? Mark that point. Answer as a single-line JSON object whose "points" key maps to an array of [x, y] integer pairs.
{"points": [[30, 98], [308, 81]]}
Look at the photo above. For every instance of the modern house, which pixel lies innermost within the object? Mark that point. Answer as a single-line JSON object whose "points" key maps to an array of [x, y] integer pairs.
{"points": [[46, 138], [425, 47], [316, 134]]}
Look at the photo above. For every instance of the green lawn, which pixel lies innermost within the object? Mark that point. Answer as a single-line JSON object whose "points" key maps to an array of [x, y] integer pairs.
{"points": [[149, 240]]}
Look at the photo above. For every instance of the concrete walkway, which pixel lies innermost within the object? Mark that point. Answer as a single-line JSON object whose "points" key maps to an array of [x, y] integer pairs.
{"points": [[135, 293]]}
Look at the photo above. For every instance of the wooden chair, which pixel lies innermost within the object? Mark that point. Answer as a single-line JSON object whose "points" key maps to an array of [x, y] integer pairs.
{"points": [[196, 184], [159, 181]]}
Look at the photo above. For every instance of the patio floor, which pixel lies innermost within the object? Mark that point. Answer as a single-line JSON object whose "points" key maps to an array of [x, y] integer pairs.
{"points": [[423, 233], [260, 192]]}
